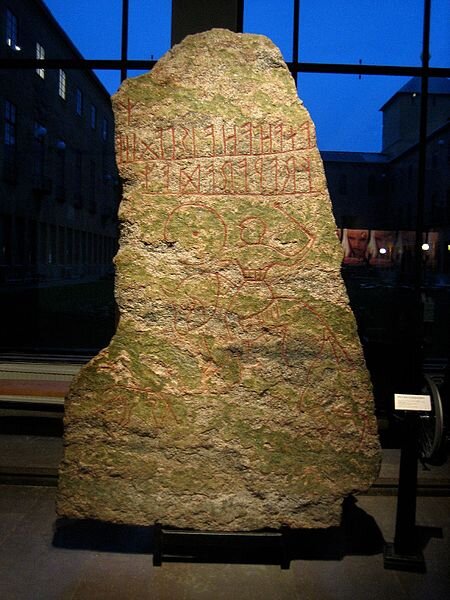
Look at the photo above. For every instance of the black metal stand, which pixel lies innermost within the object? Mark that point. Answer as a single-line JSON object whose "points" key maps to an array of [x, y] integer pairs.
{"points": [[176, 545], [405, 554]]}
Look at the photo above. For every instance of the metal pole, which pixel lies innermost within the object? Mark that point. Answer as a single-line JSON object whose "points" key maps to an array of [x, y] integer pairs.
{"points": [[240, 16], [406, 508], [405, 553], [405, 527], [295, 37], [421, 180], [124, 51]]}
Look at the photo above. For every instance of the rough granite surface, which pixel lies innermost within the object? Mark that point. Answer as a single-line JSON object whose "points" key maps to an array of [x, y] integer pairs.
{"points": [[234, 395]]}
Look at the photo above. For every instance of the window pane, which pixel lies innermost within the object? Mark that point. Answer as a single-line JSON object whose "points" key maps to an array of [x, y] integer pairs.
{"points": [[271, 18], [79, 101], [346, 108], [382, 31], [149, 29], [136, 72], [11, 30], [62, 84], [56, 251], [93, 116], [110, 79], [371, 161], [40, 55], [94, 27], [440, 33]]}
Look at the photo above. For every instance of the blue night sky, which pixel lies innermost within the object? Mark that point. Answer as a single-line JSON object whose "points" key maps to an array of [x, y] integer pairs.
{"points": [[345, 108]]}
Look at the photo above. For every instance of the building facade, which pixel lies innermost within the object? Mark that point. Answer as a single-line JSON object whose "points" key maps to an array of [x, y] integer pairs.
{"points": [[58, 181], [375, 194]]}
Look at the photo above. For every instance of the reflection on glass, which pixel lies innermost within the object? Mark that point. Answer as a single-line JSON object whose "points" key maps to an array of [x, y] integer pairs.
{"points": [[373, 185], [374, 194], [355, 243], [59, 192], [394, 249]]}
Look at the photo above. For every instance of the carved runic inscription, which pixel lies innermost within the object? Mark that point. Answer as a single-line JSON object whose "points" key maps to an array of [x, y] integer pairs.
{"points": [[128, 106], [233, 395], [260, 160]]}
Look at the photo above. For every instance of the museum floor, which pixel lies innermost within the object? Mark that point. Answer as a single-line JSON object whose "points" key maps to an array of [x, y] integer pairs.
{"points": [[43, 559]]}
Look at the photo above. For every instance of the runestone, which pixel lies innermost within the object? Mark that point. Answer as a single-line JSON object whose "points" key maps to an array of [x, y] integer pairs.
{"points": [[234, 395]]}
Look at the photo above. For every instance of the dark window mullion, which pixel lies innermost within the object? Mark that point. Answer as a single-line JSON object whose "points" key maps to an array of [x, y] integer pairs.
{"points": [[295, 34], [124, 53], [421, 176]]}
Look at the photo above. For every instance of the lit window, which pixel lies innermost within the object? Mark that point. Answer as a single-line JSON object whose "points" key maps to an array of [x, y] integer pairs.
{"points": [[104, 129], [62, 84], [40, 55], [79, 102], [11, 30], [93, 116]]}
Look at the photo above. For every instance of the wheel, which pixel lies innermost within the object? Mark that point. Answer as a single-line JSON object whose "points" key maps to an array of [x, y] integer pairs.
{"points": [[431, 425]]}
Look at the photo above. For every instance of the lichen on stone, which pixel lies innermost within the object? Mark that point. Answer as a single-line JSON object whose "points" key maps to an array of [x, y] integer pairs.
{"points": [[234, 393]]}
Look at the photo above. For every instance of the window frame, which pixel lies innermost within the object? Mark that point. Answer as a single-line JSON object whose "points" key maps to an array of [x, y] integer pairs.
{"points": [[79, 102], [124, 64], [40, 55], [105, 129], [11, 30], [424, 72], [93, 116], [62, 84]]}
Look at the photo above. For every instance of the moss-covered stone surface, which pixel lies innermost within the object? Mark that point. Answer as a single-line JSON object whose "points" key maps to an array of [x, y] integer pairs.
{"points": [[234, 394]]}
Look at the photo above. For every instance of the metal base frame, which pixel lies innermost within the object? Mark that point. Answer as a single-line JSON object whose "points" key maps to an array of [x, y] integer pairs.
{"points": [[394, 559], [176, 545]]}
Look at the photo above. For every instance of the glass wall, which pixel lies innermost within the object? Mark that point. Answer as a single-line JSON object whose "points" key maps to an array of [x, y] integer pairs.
{"points": [[58, 180], [360, 75]]}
